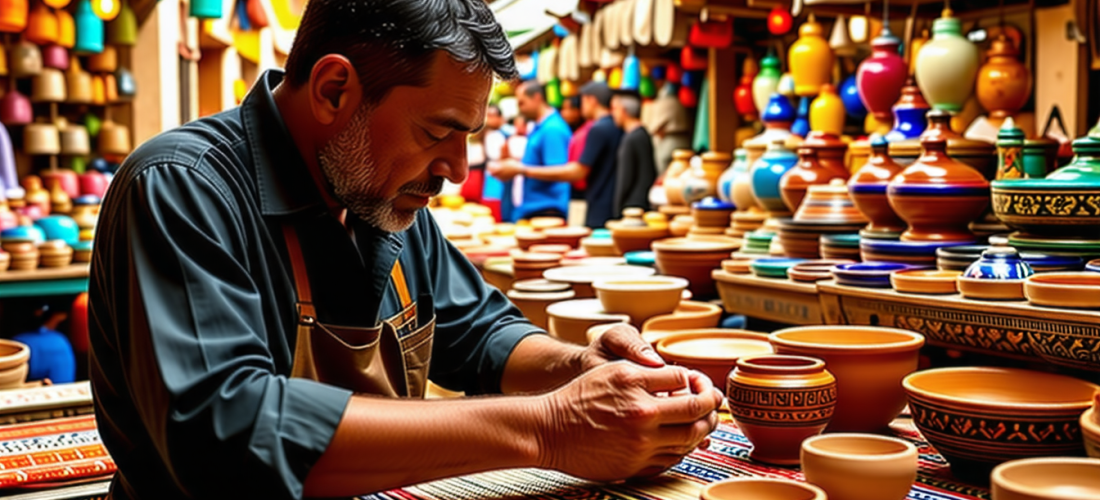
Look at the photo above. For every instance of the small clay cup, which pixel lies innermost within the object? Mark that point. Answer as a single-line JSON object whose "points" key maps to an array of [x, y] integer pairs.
{"points": [[712, 352], [1055, 478], [761, 489], [860, 466]]}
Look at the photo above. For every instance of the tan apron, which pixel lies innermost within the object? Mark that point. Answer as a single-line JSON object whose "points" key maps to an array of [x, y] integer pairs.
{"points": [[375, 360]]}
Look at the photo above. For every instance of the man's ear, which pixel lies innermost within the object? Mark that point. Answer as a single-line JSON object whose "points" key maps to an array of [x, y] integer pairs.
{"points": [[334, 90]]}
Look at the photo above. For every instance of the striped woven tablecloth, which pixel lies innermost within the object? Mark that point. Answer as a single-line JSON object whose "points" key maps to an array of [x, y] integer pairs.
{"points": [[726, 457]]}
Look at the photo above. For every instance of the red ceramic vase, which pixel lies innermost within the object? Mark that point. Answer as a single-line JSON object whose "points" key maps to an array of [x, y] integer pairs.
{"points": [[742, 98], [937, 196], [881, 76]]}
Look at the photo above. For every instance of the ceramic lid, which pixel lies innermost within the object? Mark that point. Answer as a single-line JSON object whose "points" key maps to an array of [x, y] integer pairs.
{"points": [[819, 140], [712, 203], [947, 25], [1009, 131], [540, 285], [769, 65], [542, 296], [641, 258], [886, 40]]}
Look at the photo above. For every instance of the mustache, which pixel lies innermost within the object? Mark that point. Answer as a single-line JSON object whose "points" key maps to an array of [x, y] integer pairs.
{"points": [[431, 187]]}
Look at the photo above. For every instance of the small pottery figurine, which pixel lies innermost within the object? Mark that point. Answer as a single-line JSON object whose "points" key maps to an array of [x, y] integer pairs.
{"points": [[868, 190], [766, 82], [909, 114], [807, 172], [811, 59], [937, 196], [1010, 151], [947, 65], [1004, 83], [778, 401], [766, 174], [881, 76], [827, 112]]}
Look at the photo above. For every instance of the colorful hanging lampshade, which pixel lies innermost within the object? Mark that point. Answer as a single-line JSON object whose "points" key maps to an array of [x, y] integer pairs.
{"points": [[632, 73], [827, 112], [689, 98], [123, 30], [106, 10], [553, 93], [206, 9], [66, 29], [56, 4], [568, 88], [947, 65], [766, 82], [779, 21], [615, 80], [811, 59], [41, 26], [712, 34], [881, 76], [55, 56], [692, 59], [13, 15], [26, 60], [89, 29], [646, 88]]}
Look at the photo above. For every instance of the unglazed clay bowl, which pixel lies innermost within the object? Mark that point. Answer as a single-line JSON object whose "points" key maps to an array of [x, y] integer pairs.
{"points": [[570, 236], [582, 277], [599, 247], [689, 314], [926, 281], [533, 304], [1090, 430], [815, 270], [860, 466], [694, 259], [868, 363], [990, 289], [978, 417], [761, 489], [570, 320], [13, 363], [640, 298], [524, 239], [1076, 289], [631, 239], [1055, 478], [712, 352]]}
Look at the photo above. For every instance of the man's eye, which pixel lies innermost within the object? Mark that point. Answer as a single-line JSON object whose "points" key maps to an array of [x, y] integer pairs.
{"points": [[433, 138]]}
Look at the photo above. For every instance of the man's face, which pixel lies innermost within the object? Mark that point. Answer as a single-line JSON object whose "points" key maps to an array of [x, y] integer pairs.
{"points": [[420, 134], [617, 112], [589, 105], [529, 106], [493, 120], [570, 113]]}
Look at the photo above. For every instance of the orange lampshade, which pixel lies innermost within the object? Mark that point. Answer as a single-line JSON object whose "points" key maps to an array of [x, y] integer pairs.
{"points": [[41, 26], [13, 15], [66, 29], [106, 10]]}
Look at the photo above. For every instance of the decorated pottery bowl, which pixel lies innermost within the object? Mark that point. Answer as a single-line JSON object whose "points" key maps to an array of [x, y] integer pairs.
{"points": [[712, 352], [582, 277], [761, 489], [868, 363], [1090, 430], [860, 466], [1000, 263], [635, 238], [640, 298], [689, 315], [1061, 204], [990, 289], [958, 258], [1067, 289], [570, 320], [868, 274], [925, 281], [1053, 478], [978, 417]]}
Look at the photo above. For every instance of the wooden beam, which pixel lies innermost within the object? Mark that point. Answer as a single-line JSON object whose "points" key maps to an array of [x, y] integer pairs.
{"points": [[722, 77]]}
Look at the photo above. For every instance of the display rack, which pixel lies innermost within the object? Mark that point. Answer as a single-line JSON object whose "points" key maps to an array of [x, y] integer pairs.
{"points": [[72, 279]]}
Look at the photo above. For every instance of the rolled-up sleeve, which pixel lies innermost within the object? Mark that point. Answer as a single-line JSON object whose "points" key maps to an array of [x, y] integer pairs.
{"points": [[200, 370], [477, 327]]}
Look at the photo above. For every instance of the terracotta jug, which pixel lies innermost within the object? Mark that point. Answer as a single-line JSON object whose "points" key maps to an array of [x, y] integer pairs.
{"points": [[41, 26], [13, 15], [48, 86], [114, 139], [810, 59], [947, 65], [25, 60], [78, 82], [89, 29], [937, 196], [778, 401], [827, 111], [15, 108], [75, 140], [123, 30], [867, 188], [66, 29], [55, 56], [910, 114], [766, 82], [1004, 83], [673, 185], [881, 76], [807, 172]]}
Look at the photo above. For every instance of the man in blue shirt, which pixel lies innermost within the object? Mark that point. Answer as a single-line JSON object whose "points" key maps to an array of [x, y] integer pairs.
{"points": [[547, 145]]}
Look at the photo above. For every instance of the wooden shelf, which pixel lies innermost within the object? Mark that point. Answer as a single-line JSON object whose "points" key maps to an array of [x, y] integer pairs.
{"points": [[772, 299], [72, 279]]}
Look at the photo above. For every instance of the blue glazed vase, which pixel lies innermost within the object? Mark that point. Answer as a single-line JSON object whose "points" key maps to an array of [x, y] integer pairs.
{"points": [[910, 115], [779, 110], [849, 95], [999, 263], [801, 125], [766, 173]]}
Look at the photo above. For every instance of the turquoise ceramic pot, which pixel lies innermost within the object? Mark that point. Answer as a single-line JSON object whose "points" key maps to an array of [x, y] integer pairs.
{"points": [[59, 227], [766, 173], [1061, 205], [89, 29]]}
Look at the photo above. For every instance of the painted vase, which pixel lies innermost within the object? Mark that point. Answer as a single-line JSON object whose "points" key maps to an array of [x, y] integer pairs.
{"points": [[811, 59], [777, 117], [807, 172], [978, 154], [910, 119], [778, 401], [766, 82], [1010, 151], [849, 94], [801, 125], [830, 151], [1004, 83], [947, 65], [881, 76], [681, 162], [937, 196], [741, 182], [868, 190], [766, 174], [725, 181], [827, 111]]}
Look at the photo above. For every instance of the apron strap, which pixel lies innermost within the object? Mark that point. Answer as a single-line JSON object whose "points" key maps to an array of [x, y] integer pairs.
{"points": [[398, 276]]}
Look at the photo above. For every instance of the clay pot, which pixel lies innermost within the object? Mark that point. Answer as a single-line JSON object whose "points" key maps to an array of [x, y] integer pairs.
{"points": [[881, 76], [953, 407], [807, 172], [687, 316], [1065, 289], [910, 114], [41, 139], [1004, 83], [681, 159], [693, 259], [925, 281], [947, 65], [640, 298], [827, 112], [13, 363], [25, 60], [1042, 206], [105, 61], [533, 304], [60, 203], [24, 256], [82, 251], [714, 352], [1090, 430], [937, 196], [1054, 478], [582, 277], [860, 466], [778, 401], [741, 183], [48, 86], [712, 213], [766, 82], [868, 363], [867, 188], [766, 175], [570, 320], [810, 59], [75, 141], [633, 239], [761, 489]]}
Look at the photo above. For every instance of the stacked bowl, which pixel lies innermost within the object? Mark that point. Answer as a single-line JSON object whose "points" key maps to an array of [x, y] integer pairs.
{"points": [[693, 259], [826, 210]]}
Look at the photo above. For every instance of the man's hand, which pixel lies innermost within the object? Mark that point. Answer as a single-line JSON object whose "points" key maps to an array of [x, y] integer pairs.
{"points": [[616, 421], [620, 342], [505, 170]]}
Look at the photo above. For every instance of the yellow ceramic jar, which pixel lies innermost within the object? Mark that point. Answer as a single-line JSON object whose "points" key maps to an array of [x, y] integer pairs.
{"points": [[827, 111], [810, 59]]}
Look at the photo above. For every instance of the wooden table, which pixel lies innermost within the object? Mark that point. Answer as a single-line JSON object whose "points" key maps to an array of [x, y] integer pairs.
{"points": [[1014, 329], [772, 299], [71, 279]]}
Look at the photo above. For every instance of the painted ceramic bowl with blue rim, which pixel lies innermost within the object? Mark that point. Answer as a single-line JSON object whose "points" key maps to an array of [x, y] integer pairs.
{"points": [[1060, 205], [845, 240], [1086, 248], [999, 263], [910, 252], [773, 267], [869, 274], [758, 242]]}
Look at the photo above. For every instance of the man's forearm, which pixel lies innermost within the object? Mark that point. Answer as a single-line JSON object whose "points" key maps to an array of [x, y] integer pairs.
{"points": [[569, 172], [540, 363], [383, 444]]}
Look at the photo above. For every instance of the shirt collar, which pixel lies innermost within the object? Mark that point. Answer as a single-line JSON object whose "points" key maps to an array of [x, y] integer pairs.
{"points": [[282, 177]]}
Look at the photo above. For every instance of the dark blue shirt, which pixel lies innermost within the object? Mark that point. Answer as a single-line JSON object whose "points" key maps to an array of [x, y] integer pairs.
{"points": [[547, 145], [600, 153], [192, 309]]}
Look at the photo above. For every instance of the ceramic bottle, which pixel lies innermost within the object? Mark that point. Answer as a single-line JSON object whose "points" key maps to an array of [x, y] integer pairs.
{"points": [[807, 172], [910, 119], [937, 196], [741, 182], [703, 181], [766, 174], [881, 76], [811, 59], [766, 82], [849, 94], [947, 65], [681, 159], [725, 181], [868, 190], [827, 111], [777, 116], [778, 401], [1004, 83]]}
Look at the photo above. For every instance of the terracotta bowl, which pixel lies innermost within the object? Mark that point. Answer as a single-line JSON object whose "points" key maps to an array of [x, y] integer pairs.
{"points": [[570, 320], [688, 315], [13, 363], [960, 410], [570, 236], [533, 304], [498, 272], [986, 289], [761, 489], [1073, 289], [926, 281], [739, 265], [582, 277], [631, 239], [640, 298], [713, 352], [543, 223], [860, 466], [868, 363], [558, 249], [1056, 478], [694, 259], [524, 239], [599, 247], [1090, 430]]}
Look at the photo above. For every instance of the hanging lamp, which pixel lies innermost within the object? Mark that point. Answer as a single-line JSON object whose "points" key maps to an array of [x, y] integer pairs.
{"points": [[89, 29], [881, 76]]}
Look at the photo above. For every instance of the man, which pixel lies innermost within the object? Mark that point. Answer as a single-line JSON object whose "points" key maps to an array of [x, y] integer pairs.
{"points": [[494, 142], [244, 259], [670, 125], [547, 145], [571, 112], [596, 162], [636, 171]]}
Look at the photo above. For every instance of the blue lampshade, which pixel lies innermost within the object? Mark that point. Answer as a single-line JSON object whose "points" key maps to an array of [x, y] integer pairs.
{"points": [[89, 29]]}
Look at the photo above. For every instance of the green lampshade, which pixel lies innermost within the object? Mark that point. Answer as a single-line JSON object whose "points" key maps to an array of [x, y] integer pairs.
{"points": [[123, 30]]}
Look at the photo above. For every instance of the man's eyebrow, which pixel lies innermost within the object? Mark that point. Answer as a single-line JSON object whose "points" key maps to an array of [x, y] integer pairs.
{"points": [[457, 125]]}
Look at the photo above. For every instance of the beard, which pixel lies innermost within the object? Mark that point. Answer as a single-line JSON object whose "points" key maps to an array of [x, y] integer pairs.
{"points": [[350, 168]]}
